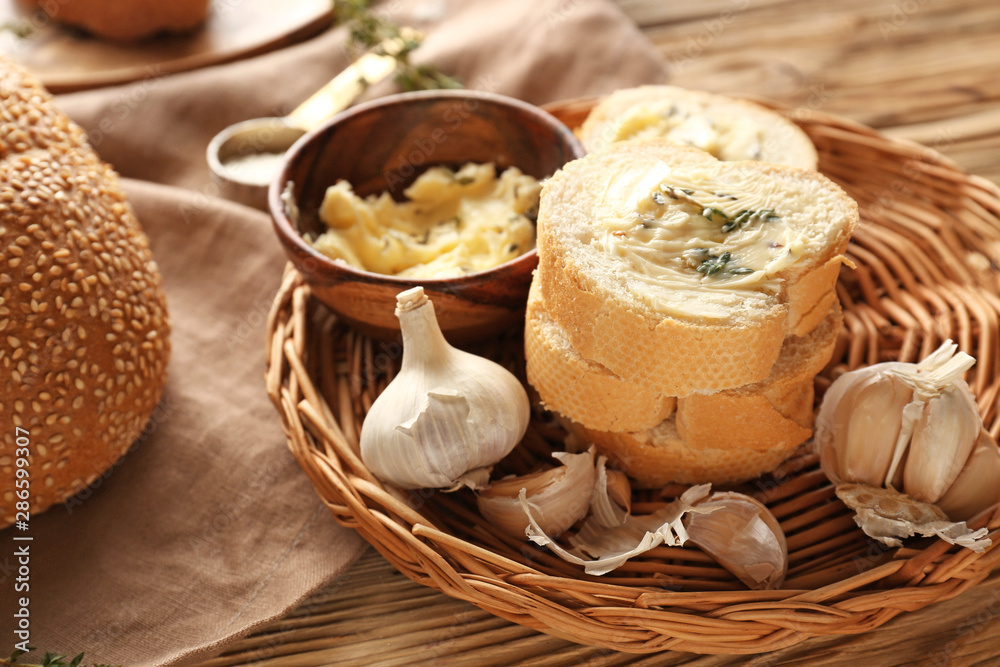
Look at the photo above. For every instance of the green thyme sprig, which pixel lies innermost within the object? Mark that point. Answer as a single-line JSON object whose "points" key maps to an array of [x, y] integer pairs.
{"points": [[710, 265], [368, 30], [728, 223], [732, 223], [48, 660]]}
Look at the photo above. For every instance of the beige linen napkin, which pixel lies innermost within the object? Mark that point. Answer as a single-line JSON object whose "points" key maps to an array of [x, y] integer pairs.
{"points": [[207, 528]]}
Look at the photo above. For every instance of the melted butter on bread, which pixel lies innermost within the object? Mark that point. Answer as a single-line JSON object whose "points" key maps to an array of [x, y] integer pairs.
{"points": [[726, 136], [702, 242]]}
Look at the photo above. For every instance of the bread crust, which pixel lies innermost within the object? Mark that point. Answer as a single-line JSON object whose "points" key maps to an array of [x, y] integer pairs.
{"points": [[677, 358], [669, 459], [126, 20], [728, 436], [579, 388]]}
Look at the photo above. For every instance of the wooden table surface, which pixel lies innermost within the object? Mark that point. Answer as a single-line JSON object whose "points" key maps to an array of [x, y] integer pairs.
{"points": [[922, 70]]}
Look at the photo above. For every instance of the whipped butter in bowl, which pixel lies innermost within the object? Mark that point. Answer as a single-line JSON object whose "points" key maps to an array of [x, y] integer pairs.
{"points": [[434, 188], [451, 223]]}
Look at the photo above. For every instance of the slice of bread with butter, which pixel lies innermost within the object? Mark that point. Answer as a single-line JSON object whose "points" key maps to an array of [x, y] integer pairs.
{"points": [[683, 273], [729, 129]]}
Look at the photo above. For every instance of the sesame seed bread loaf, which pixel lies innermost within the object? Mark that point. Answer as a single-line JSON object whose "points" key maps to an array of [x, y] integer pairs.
{"points": [[683, 273], [728, 128], [579, 388], [82, 311], [728, 436]]}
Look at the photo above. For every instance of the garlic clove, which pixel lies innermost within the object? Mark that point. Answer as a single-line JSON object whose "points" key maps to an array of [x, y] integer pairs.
{"points": [[448, 416], [976, 488], [942, 440], [743, 536], [558, 496], [859, 422], [887, 516]]}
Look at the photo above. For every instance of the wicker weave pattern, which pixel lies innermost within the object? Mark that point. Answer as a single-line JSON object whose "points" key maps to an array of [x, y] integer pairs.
{"points": [[926, 259]]}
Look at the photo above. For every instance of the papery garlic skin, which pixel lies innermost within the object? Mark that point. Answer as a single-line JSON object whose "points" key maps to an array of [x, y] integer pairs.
{"points": [[448, 416], [600, 548], [558, 497], [868, 421], [887, 516]]}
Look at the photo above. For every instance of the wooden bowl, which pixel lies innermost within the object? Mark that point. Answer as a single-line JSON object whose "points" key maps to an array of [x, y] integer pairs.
{"points": [[383, 146]]}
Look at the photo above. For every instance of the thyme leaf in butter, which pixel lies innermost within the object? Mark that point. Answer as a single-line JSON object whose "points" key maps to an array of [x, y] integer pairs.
{"points": [[713, 214], [709, 264], [745, 216], [714, 264]]}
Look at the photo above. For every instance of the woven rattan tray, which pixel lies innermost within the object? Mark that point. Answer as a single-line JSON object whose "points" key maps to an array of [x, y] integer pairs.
{"points": [[927, 257]]}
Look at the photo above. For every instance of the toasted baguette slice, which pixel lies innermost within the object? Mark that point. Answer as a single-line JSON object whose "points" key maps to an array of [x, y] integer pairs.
{"points": [[580, 389], [637, 276], [730, 436], [728, 128]]}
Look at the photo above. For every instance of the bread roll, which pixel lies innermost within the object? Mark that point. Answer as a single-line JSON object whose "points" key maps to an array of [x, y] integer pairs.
{"points": [[82, 312], [637, 265], [729, 436], [728, 128], [126, 20]]}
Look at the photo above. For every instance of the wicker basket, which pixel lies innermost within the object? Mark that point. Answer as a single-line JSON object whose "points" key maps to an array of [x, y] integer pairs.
{"points": [[927, 257]]}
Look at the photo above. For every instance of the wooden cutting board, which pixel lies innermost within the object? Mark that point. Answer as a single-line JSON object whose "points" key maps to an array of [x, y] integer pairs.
{"points": [[68, 60]]}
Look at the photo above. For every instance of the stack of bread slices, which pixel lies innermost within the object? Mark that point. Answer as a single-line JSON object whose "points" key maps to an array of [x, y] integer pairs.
{"points": [[683, 306]]}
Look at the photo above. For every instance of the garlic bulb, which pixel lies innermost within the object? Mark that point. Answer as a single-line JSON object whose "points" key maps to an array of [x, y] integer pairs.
{"points": [[912, 428], [559, 496], [447, 416], [742, 535]]}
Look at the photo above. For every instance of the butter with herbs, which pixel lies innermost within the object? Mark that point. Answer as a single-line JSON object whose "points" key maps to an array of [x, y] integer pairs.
{"points": [[694, 245], [453, 223], [724, 135]]}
